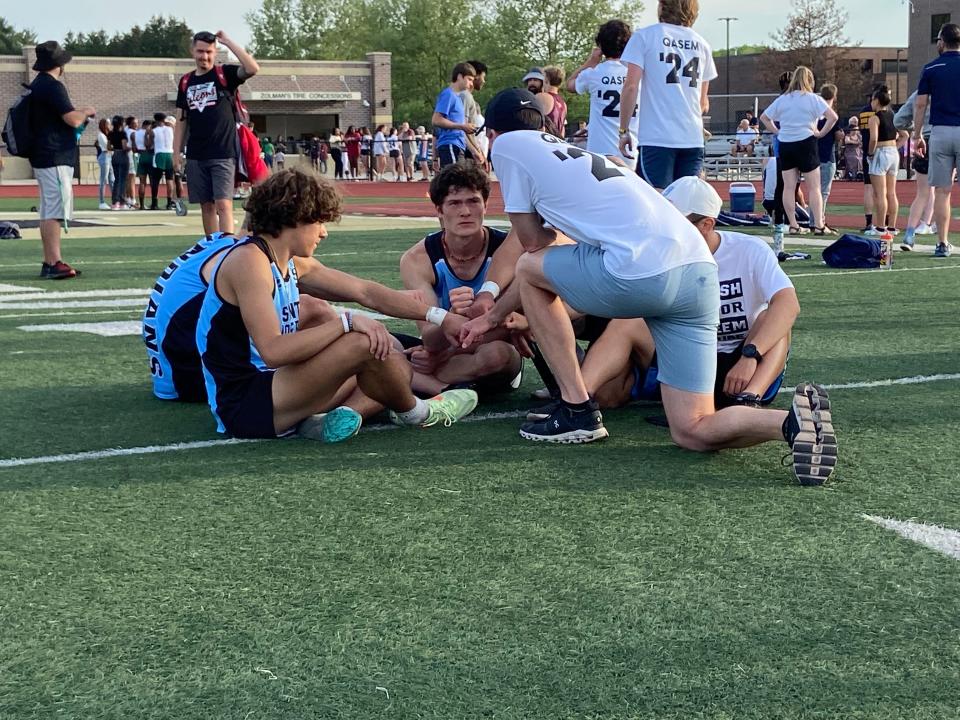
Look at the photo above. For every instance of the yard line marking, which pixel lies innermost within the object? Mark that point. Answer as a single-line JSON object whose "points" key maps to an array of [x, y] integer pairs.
{"points": [[116, 328], [118, 311], [876, 271], [117, 452], [4, 288], [163, 262], [942, 539], [914, 380], [75, 295], [481, 417], [67, 304]]}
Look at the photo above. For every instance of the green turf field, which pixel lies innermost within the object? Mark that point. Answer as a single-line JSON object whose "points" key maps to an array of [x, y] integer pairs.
{"points": [[463, 572]]}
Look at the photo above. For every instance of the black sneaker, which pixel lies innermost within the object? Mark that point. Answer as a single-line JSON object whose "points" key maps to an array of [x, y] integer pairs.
{"points": [[57, 271], [564, 425], [809, 431], [747, 399], [542, 412]]}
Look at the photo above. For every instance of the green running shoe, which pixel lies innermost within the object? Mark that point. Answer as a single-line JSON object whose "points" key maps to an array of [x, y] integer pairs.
{"points": [[450, 406]]}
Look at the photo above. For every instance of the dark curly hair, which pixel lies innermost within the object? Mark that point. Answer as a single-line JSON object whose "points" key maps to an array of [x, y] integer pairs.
{"points": [[466, 176], [612, 38], [291, 198]]}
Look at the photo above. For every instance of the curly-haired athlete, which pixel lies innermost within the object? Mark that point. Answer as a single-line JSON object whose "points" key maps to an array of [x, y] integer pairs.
{"points": [[266, 377]]}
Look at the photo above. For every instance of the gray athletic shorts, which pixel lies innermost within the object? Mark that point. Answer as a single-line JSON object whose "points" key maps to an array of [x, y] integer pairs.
{"points": [[680, 306], [210, 180], [944, 154], [56, 192]]}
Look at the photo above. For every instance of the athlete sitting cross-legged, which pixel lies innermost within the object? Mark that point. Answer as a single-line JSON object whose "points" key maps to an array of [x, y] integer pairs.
{"points": [[758, 306], [450, 268], [635, 256], [264, 376]]}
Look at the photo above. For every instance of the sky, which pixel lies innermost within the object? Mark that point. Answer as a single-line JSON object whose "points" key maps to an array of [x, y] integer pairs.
{"points": [[753, 27]]}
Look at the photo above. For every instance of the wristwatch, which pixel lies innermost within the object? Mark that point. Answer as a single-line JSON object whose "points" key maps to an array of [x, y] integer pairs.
{"points": [[750, 351], [623, 131]]}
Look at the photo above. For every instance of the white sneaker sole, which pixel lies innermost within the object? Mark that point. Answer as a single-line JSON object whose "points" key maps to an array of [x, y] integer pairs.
{"points": [[574, 437]]}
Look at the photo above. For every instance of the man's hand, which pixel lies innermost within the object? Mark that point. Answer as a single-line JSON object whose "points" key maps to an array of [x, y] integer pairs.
{"points": [[920, 147], [482, 303], [461, 299], [424, 361], [224, 38], [467, 127], [452, 324], [381, 342], [739, 376], [473, 331], [626, 144]]}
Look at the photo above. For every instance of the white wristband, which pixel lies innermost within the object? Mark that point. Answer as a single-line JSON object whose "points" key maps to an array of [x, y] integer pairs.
{"points": [[490, 287], [345, 319], [436, 315]]}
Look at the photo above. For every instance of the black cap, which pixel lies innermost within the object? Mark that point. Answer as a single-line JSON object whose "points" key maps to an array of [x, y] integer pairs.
{"points": [[513, 109], [50, 55]]}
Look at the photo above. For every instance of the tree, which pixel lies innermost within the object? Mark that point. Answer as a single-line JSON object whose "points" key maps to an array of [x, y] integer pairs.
{"points": [[160, 37], [813, 24], [13, 40]]}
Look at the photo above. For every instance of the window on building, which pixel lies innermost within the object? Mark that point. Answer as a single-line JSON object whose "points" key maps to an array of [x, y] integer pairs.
{"points": [[937, 22], [890, 67]]}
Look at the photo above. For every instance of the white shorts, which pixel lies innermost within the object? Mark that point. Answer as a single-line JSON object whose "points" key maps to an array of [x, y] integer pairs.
{"points": [[56, 192], [885, 161], [133, 164]]}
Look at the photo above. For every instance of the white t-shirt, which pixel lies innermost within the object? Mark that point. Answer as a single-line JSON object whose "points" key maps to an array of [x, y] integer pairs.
{"points": [[604, 83], [798, 114], [770, 179], [596, 202], [745, 137], [140, 138], [163, 139], [749, 277], [102, 142], [675, 61], [379, 144]]}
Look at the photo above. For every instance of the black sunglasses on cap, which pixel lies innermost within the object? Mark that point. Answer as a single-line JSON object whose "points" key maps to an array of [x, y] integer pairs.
{"points": [[204, 36]]}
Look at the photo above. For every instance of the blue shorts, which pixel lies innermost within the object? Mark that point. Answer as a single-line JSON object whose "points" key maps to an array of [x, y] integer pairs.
{"points": [[680, 306], [660, 166]]}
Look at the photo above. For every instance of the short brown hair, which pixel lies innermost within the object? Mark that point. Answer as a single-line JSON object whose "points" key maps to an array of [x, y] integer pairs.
{"points": [[292, 198], [554, 75], [461, 175], [465, 69], [612, 38], [828, 91], [678, 12]]}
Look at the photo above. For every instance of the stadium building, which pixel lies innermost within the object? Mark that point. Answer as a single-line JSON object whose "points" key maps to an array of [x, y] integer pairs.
{"points": [[286, 98], [926, 19]]}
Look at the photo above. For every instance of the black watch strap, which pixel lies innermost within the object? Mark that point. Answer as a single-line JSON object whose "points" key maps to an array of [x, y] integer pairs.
{"points": [[750, 351]]}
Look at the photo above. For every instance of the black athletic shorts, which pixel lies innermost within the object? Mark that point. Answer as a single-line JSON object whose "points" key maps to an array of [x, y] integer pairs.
{"points": [[725, 363], [802, 155], [394, 153], [865, 169], [246, 408]]}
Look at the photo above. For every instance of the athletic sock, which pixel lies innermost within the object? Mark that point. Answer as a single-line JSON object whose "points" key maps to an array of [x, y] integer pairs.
{"points": [[415, 415], [869, 217], [587, 406]]}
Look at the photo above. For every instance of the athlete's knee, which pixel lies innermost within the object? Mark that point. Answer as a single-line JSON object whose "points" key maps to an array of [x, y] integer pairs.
{"points": [[496, 357], [686, 433]]}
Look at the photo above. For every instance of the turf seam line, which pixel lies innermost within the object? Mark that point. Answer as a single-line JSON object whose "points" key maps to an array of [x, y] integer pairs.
{"points": [[877, 271]]}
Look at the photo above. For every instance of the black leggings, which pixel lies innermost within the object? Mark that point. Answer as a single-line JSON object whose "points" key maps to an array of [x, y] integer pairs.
{"points": [[337, 156], [779, 214]]}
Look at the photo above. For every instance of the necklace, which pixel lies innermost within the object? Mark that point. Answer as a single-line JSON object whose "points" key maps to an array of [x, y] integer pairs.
{"points": [[459, 259]]}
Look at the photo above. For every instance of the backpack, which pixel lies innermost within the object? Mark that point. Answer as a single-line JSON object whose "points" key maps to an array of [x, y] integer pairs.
{"points": [[250, 166], [9, 231], [853, 251], [17, 130]]}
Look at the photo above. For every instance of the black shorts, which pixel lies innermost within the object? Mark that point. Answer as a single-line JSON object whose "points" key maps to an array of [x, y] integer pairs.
{"points": [[394, 153], [802, 155], [921, 165], [725, 363], [449, 154], [865, 169], [246, 407]]}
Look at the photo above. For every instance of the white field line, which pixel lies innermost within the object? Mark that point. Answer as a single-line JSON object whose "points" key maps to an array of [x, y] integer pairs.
{"points": [[68, 304], [481, 417], [163, 262], [943, 540], [914, 380], [115, 328], [76, 294], [4, 288], [872, 272], [121, 311]]}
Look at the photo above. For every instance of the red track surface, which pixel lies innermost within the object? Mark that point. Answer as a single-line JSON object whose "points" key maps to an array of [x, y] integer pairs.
{"points": [[843, 193]]}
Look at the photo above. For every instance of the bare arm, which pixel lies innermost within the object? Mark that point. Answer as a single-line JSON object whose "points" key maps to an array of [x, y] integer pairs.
{"points": [[501, 270], [874, 127], [441, 121], [591, 62], [179, 130], [628, 100], [704, 97], [416, 274], [768, 124], [531, 232], [919, 111], [777, 322], [831, 117], [248, 66], [76, 118]]}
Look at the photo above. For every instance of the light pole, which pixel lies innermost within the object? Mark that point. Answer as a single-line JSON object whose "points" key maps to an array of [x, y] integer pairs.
{"points": [[899, 50], [727, 73]]}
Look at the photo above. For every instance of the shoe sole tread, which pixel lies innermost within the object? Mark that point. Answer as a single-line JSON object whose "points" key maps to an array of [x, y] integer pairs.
{"points": [[815, 446]]}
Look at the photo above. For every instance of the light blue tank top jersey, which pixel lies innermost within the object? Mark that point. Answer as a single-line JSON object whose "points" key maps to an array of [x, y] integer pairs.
{"points": [[170, 322], [444, 278], [229, 357]]}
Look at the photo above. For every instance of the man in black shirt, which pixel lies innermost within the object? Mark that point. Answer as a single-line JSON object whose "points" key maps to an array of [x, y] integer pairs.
{"points": [[55, 125], [206, 109]]}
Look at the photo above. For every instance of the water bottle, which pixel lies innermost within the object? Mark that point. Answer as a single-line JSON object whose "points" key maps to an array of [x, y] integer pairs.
{"points": [[777, 239], [886, 250]]}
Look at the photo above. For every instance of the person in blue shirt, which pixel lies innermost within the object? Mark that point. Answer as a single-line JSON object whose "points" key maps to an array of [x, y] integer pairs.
{"points": [[449, 116], [450, 269], [938, 86], [264, 375]]}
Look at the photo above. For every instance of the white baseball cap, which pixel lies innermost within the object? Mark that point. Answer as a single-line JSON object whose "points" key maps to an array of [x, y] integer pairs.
{"points": [[693, 196]]}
